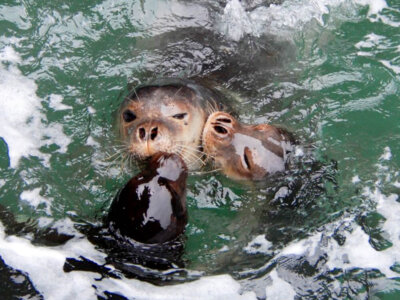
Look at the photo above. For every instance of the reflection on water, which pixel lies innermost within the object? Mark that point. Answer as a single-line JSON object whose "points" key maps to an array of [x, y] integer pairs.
{"points": [[327, 71]]}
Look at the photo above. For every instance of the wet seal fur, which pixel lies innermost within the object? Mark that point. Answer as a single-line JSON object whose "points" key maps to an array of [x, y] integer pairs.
{"points": [[167, 115], [245, 151], [151, 207]]}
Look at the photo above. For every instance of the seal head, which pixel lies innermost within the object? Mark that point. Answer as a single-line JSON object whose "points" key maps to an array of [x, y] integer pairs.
{"points": [[151, 208], [166, 116], [245, 151]]}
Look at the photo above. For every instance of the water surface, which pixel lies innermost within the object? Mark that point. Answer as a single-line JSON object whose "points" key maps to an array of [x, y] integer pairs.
{"points": [[328, 71]]}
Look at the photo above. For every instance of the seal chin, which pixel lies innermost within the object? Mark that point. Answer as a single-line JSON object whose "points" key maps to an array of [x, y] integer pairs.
{"points": [[245, 151]]}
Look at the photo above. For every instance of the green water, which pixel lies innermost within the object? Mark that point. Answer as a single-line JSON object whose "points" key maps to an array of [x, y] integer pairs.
{"points": [[337, 93]]}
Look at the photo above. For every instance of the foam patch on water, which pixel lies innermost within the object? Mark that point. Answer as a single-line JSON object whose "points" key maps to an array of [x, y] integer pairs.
{"points": [[55, 102], [389, 65], [259, 245], [153, 17], [375, 6], [279, 289], [34, 198], [210, 288], [291, 15], [236, 21], [44, 266], [357, 251], [21, 119]]}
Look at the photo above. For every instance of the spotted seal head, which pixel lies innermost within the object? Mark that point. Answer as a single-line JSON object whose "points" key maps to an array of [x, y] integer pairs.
{"points": [[166, 116], [245, 151]]}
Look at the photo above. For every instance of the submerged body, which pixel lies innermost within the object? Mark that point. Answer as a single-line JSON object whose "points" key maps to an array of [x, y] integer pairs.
{"points": [[245, 151], [151, 208]]}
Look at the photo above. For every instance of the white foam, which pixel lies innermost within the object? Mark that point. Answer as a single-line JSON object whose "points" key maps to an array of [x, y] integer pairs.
{"points": [[235, 21], [92, 142], [206, 288], [387, 154], [20, 117], [153, 17], [44, 265], [375, 6], [362, 53], [44, 221], [290, 16], [371, 40], [357, 252], [298, 151], [389, 65], [17, 15], [55, 102], [258, 245], [91, 110], [355, 179], [34, 198], [280, 289]]}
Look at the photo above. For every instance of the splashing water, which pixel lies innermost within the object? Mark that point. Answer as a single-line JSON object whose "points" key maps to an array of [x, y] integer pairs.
{"points": [[326, 70]]}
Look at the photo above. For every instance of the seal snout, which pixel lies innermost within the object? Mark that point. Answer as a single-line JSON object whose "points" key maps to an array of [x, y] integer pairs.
{"points": [[150, 137], [244, 151]]}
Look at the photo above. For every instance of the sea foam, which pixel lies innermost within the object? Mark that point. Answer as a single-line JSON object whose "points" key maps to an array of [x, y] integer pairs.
{"points": [[21, 117]]}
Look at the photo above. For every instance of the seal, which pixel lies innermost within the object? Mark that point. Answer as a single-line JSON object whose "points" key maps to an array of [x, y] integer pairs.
{"points": [[167, 115], [245, 151], [151, 207]]}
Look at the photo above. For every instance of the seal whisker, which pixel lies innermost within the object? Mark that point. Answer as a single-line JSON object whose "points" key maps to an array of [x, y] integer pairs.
{"points": [[212, 106], [207, 155], [137, 96], [206, 172], [114, 156], [177, 92], [191, 156], [196, 152], [124, 161], [192, 148]]}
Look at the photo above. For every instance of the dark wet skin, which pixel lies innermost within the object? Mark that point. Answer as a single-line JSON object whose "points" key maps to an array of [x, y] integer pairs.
{"points": [[151, 208]]}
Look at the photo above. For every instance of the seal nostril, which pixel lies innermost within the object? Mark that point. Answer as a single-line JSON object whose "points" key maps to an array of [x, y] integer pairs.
{"points": [[153, 133], [142, 133], [224, 120], [220, 129], [246, 160]]}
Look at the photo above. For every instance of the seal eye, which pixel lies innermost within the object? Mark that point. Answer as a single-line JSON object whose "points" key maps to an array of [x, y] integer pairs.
{"points": [[179, 116], [128, 116]]}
